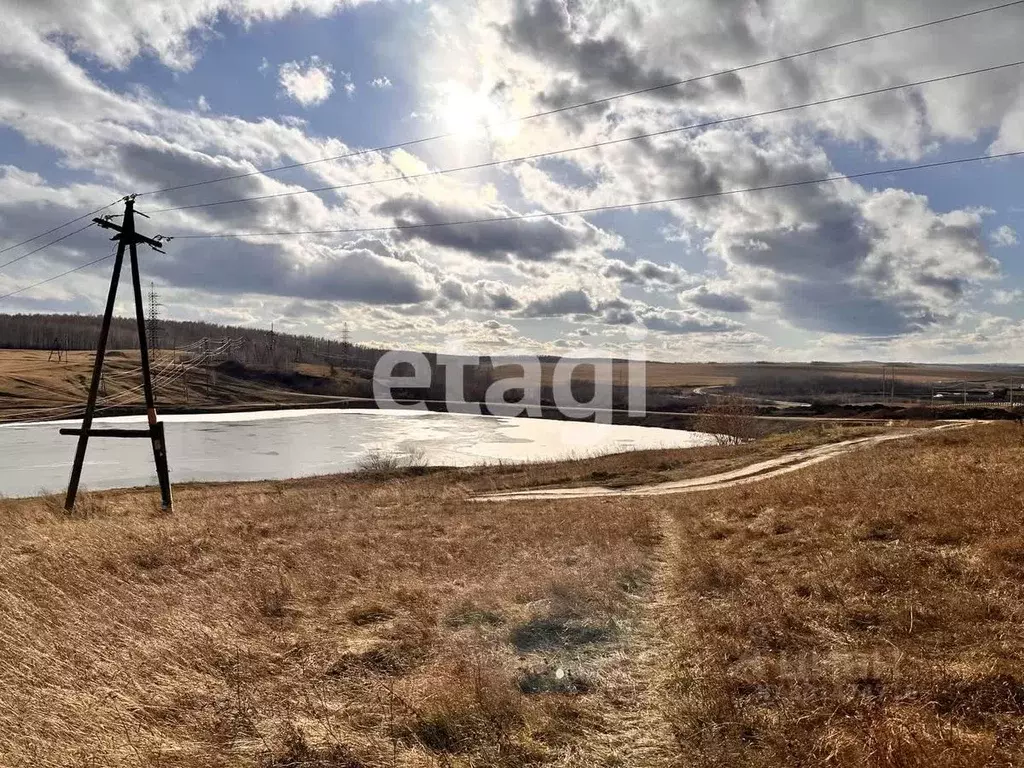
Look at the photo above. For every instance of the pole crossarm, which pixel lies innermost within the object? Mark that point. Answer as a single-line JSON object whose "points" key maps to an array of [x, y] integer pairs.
{"points": [[136, 238]]}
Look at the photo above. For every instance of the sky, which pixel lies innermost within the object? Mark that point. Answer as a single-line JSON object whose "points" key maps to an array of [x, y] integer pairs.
{"points": [[104, 98]]}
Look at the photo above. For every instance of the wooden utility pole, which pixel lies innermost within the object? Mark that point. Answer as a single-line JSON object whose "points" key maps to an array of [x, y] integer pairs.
{"points": [[127, 238]]}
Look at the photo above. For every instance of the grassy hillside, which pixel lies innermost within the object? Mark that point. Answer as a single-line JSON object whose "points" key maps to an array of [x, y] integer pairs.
{"points": [[31, 386], [865, 612]]}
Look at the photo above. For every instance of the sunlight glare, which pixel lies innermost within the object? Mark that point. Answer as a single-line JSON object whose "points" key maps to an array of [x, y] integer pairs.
{"points": [[473, 113]]}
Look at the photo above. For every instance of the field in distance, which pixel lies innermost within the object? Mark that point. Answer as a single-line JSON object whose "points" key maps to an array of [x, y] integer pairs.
{"points": [[692, 375], [35, 384]]}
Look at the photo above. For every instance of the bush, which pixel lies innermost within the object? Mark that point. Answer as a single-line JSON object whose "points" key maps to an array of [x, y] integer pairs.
{"points": [[379, 462], [732, 420]]}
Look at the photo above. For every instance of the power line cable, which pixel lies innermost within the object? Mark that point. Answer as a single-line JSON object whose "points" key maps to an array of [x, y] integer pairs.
{"points": [[606, 99], [52, 230], [554, 214], [618, 207], [56, 277], [44, 247], [596, 145]]}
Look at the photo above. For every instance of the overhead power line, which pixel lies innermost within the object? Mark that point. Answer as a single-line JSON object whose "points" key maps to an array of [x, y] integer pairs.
{"points": [[47, 245], [54, 229], [606, 99], [555, 214], [596, 145], [56, 277], [619, 207]]}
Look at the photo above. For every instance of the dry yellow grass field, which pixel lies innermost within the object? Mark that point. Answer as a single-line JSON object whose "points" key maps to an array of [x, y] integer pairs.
{"points": [[341, 623], [864, 612]]}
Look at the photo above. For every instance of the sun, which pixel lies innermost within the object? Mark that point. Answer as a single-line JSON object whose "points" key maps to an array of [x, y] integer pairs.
{"points": [[464, 111]]}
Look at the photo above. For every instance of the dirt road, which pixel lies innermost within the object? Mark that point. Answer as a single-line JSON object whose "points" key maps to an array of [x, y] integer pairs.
{"points": [[751, 474]]}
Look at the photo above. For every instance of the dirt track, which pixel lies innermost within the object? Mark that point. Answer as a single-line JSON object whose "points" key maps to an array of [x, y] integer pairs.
{"points": [[762, 470]]}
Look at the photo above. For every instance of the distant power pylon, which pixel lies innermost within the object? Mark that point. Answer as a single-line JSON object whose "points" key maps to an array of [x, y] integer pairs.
{"points": [[345, 342], [153, 323], [59, 350], [888, 383]]}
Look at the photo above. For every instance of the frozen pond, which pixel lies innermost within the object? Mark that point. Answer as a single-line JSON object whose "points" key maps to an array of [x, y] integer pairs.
{"points": [[269, 445]]}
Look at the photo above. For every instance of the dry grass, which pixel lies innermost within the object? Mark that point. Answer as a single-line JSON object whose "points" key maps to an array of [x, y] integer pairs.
{"points": [[647, 467], [863, 613], [314, 623]]}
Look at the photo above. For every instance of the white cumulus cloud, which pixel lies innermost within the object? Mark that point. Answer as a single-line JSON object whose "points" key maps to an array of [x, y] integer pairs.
{"points": [[309, 82], [1005, 236]]}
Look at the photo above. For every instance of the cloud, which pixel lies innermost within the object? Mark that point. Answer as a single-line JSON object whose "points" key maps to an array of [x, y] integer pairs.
{"points": [[565, 303], [168, 30], [486, 295], [646, 274], [717, 301], [577, 304], [382, 82], [315, 273], [531, 240], [588, 64], [900, 265], [1005, 236], [309, 82], [673, 321], [1003, 297]]}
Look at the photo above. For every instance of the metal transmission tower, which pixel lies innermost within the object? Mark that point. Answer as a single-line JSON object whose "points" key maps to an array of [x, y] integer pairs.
{"points": [[127, 239], [58, 349], [153, 323], [345, 342], [888, 383]]}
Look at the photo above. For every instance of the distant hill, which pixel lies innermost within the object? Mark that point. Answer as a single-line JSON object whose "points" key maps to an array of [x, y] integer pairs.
{"points": [[80, 332]]}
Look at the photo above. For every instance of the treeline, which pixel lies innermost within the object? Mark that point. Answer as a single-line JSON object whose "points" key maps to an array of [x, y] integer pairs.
{"points": [[256, 346]]}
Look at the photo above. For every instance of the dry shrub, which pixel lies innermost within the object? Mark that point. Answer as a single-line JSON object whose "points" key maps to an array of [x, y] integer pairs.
{"points": [[291, 749], [273, 595], [731, 419], [379, 463]]}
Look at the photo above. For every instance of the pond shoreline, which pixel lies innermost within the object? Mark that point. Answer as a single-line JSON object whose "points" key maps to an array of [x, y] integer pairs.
{"points": [[660, 418], [289, 443]]}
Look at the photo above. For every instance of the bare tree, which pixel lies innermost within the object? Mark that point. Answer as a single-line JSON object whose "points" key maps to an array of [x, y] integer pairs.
{"points": [[731, 419]]}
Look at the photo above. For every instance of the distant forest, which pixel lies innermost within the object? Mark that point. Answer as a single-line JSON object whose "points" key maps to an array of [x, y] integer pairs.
{"points": [[259, 346]]}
